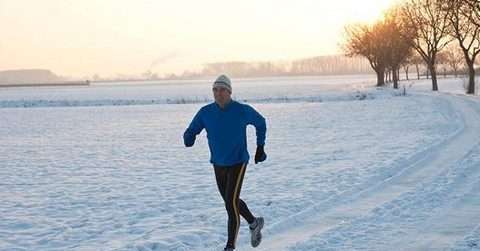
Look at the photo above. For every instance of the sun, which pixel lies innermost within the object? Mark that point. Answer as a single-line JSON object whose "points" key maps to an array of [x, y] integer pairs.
{"points": [[369, 11]]}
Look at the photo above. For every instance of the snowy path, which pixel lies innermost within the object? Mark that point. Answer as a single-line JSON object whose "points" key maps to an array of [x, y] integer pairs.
{"points": [[429, 204]]}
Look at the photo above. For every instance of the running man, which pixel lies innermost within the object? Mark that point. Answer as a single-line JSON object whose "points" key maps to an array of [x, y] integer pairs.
{"points": [[225, 121]]}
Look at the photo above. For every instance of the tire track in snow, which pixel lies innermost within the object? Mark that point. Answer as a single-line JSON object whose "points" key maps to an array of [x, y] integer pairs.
{"points": [[333, 213], [459, 189], [430, 217]]}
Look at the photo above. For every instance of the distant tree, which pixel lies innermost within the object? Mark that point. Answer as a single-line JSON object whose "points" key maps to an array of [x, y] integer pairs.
{"points": [[465, 22], [170, 76], [147, 74], [406, 67], [427, 20], [413, 59], [96, 77], [416, 60], [442, 61], [329, 65], [388, 76], [454, 57]]}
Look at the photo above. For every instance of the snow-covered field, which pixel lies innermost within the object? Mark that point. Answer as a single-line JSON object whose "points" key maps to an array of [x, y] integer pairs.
{"points": [[350, 167]]}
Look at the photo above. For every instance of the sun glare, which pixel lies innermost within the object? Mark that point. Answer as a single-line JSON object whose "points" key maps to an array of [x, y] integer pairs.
{"points": [[369, 11]]}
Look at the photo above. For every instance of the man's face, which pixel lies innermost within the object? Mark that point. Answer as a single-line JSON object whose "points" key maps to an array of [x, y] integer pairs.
{"points": [[221, 95]]}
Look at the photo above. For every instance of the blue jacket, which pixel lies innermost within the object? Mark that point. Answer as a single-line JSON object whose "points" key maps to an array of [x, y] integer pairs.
{"points": [[226, 131]]}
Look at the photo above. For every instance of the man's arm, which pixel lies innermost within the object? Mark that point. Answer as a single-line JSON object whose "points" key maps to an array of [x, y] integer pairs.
{"points": [[195, 127], [254, 118]]}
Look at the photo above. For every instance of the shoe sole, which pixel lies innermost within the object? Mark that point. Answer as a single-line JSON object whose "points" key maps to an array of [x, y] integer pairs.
{"points": [[258, 240]]}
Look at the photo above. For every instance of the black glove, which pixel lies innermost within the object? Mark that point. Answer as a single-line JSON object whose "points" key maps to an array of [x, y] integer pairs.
{"points": [[260, 155]]}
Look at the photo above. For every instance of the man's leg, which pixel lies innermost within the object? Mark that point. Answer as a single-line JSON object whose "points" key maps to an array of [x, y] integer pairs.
{"points": [[221, 174], [229, 182]]}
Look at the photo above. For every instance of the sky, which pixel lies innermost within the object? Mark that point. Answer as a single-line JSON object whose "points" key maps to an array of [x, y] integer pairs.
{"points": [[110, 37]]}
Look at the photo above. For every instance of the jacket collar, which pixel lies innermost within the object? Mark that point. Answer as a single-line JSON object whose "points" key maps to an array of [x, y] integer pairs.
{"points": [[227, 105]]}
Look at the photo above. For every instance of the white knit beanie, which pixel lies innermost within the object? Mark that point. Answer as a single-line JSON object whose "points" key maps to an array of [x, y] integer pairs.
{"points": [[223, 81]]}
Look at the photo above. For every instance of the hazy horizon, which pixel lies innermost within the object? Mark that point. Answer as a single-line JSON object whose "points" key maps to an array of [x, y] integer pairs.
{"points": [[131, 37]]}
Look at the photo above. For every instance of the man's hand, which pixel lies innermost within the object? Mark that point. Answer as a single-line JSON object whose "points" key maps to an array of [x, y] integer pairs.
{"points": [[260, 155], [188, 139]]}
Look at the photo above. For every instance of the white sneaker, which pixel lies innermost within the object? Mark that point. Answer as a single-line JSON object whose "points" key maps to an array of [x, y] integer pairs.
{"points": [[256, 234]]}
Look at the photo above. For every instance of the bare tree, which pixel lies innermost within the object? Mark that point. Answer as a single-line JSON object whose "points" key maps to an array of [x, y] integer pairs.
{"points": [[466, 30], [417, 60], [399, 40], [474, 5], [427, 19], [412, 59], [442, 62], [406, 67], [333, 64], [369, 42], [454, 58]]}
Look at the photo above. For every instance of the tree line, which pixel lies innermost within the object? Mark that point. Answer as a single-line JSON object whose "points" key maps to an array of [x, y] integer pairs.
{"points": [[431, 32], [321, 65]]}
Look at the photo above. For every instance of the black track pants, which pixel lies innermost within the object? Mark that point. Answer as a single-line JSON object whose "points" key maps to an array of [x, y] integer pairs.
{"points": [[229, 182]]}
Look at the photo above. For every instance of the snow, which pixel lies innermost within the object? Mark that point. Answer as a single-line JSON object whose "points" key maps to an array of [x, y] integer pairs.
{"points": [[350, 167], [270, 90]]}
